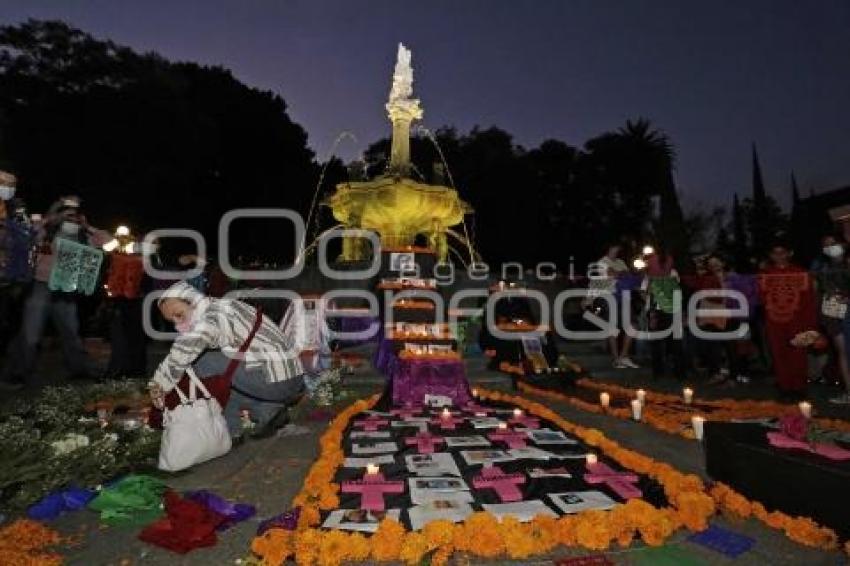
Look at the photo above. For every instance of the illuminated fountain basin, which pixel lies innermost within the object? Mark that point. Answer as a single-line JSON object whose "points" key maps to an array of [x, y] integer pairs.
{"points": [[395, 206]]}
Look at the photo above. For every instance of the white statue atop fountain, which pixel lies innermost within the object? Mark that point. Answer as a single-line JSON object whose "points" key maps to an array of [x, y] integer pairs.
{"points": [[402, 110]]}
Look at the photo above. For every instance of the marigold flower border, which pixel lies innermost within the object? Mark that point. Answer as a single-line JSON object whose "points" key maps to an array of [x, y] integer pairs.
{"points": [[799, 529], [481, 534]]}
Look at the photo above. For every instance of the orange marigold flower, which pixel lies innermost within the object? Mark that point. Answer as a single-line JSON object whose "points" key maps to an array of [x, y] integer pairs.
{"points": [[593, 530], [307, 544], [413, 548], [333, 549], [273, 547], [359, 547], [438, 533], [387, 540], [480, 535]]}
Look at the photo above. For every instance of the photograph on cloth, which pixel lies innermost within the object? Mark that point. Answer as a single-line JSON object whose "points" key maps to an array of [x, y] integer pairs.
{"points": [[486, 422], [546, 436], [522, 511], [363, 462], [530, 453], [466, 441], [577, 501], [444, 509], [437, 464], [485, 457], [402, 261], [358, 519], [371, 435], [422, 426], [440, 498], [373, 447], [540, 473], [438, 484]]}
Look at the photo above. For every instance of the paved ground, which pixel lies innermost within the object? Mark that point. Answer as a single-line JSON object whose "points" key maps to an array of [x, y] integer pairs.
{"points": [[268, 473]]}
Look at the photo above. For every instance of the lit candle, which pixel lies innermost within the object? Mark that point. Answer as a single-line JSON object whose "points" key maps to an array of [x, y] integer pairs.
{"points": [[475, 393], [503, 426], [688, 394], [636, 409], [604, 400], [697, 422], [372, 469], [446, 413], [517, 413], [806, 409], [641, 395], [591, 459]]}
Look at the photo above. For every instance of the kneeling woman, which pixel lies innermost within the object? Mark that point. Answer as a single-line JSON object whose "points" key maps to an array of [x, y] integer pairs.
{"points": [[212, 331]]}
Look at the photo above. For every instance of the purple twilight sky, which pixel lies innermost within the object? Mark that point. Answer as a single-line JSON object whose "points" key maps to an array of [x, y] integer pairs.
{"points": [[714, 75]]}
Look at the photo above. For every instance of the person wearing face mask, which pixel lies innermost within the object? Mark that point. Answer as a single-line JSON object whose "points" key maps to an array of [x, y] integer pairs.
{"points": [[63, 220], [269, 377], [833, 284], [16, 239]]}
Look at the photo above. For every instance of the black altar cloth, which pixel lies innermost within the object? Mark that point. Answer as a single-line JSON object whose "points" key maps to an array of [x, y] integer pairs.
{"points": [[795, 482]]}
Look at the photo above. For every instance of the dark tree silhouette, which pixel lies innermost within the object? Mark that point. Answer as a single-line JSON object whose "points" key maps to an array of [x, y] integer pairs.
{"points": [[146, 141]]}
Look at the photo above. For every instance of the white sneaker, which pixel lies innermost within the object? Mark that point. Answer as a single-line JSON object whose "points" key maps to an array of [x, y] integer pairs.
{"points": [[620, 364], [742, 379], [843, 399], [629, 363]]}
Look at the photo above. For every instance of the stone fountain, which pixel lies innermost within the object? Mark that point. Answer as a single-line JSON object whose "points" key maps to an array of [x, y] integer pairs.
{"points": [[394, 205]]}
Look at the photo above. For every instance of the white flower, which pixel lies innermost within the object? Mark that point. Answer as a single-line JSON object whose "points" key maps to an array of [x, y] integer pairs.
{"points": [[71, 442]]}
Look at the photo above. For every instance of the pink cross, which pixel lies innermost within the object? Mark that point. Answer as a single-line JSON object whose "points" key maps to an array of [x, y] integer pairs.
{"points": [[372, 489], [425, 442], [512, 438], [505, 485], [526, 421], [621, 482], [371, 423], [405, 412], [447, 423]]}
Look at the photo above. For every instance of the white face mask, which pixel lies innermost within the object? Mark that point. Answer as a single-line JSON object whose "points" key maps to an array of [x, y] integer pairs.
{"points": [[69, 228], [6, 192], [834, 251]]}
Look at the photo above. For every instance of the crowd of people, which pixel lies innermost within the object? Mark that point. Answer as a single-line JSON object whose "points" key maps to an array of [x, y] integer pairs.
{"points": [[215, 336], [797, 324]]}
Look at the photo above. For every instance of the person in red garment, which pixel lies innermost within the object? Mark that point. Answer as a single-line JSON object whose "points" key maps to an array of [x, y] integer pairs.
{"points": [[787, 293]]}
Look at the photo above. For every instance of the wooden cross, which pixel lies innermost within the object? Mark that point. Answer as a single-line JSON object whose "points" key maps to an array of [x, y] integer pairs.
{"points": [[371, 423], [425, 442], [505, 485], [372, 489], [621, 482], [512, 438]]}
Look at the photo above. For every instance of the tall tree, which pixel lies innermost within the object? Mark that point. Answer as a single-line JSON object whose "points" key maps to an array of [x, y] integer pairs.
{"points": [[145, 141]]}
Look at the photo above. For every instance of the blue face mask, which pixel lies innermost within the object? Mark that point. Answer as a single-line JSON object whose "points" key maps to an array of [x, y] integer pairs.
{"points": [[6, 192]]}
